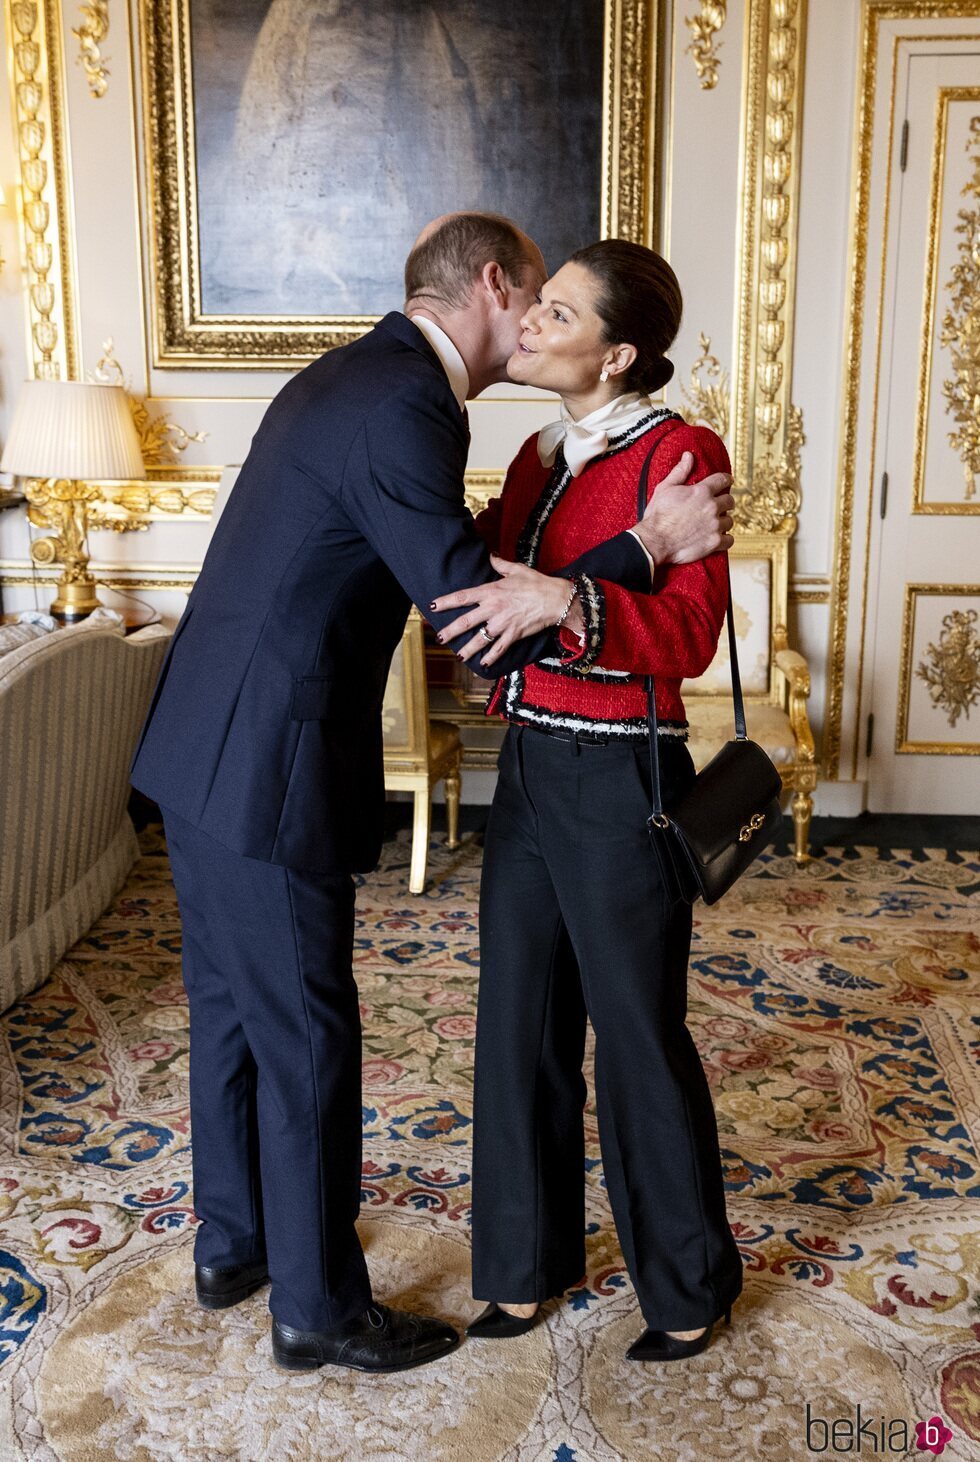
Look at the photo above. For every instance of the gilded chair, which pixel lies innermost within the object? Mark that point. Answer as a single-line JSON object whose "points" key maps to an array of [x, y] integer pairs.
{"points": [[419, 752]]}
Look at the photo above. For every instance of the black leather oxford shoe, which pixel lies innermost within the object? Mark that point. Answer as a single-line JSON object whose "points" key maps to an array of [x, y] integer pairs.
{"points": [[218, 1289], [493, 1323], [379, 1339]]}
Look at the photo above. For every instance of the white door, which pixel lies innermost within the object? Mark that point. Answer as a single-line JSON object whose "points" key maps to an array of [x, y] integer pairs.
{"points": [[922, 676]]}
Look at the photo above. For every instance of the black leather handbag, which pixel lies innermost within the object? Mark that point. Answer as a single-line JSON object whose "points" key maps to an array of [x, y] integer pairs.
{"points": [[731, 811]]}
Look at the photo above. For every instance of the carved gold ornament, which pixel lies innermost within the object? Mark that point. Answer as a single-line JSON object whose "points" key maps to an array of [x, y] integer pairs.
{"points": [[33, 30], [704, 26], [160, 438], [953, 676], [770, 501], [90, 35], [960, 332], [768, 215], [708, 401]]}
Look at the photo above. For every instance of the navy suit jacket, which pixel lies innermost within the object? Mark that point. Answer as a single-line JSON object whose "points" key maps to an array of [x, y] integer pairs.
{"points": [[265, 726]]}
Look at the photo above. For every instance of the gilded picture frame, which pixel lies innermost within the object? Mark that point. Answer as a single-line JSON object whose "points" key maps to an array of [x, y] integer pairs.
{"points": [[187, 334]]}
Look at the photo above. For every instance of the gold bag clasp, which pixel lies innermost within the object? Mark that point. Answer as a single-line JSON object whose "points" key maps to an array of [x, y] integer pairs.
{"points": [[752, 826]]}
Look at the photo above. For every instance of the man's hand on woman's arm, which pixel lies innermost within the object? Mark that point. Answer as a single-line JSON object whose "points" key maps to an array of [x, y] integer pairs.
{"points": [[683, 522]]}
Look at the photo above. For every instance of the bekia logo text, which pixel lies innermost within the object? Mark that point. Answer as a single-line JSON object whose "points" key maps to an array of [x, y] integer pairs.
{"points": [[875, 1434]]}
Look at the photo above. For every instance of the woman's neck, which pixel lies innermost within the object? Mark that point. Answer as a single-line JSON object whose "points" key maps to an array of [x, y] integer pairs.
{"points": [[584, 404]]}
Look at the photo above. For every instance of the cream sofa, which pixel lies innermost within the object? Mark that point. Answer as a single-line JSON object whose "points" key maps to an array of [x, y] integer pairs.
{"points": [[71, 706]]}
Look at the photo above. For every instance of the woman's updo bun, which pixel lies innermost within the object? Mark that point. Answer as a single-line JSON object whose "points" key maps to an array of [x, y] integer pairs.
{"points": [[639, 303]]}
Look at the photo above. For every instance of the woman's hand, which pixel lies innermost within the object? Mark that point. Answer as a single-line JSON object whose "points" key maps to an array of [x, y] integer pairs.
{"points": [[520, 603]]}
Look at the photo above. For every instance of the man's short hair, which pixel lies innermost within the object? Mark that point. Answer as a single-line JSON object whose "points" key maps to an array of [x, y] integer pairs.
{"points": [[447, 262]]}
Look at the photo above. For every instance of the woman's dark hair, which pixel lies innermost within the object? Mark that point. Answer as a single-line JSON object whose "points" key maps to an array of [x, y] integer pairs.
{"points": [[639, 304]]}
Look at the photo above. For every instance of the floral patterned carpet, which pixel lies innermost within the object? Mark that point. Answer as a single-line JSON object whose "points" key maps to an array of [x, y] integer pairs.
{"points": [[836, 1013]]}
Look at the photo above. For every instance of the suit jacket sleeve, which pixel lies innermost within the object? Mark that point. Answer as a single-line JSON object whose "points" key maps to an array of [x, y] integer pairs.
{"points": [[403, 488]]}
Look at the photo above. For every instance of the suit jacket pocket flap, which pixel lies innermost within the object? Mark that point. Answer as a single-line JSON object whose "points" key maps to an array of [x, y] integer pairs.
{"points": [[313, 698]]}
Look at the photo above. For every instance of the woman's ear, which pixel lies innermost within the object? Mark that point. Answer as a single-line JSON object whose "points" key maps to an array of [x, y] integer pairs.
{"points": [[619, 359]]}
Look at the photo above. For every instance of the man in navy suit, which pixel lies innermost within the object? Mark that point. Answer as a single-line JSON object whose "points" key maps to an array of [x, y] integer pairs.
{"points": [[263, 747]]}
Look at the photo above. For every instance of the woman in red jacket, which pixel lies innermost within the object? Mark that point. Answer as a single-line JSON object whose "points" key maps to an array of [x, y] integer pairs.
{"points": [[574, 916]]}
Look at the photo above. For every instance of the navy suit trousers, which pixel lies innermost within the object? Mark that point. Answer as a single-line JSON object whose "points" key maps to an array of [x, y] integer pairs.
{"points": [[275, 1073]]}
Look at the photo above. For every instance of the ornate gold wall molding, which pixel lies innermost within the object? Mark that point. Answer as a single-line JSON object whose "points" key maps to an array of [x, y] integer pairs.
{"points": [[15, 574], [771, 111], [90, 35], [950, 669], [37, 72], [874, 13], [960, 330], [704, 26], [770, 500]]}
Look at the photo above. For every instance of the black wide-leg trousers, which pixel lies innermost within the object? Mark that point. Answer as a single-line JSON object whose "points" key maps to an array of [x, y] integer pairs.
{"points": [[275, 1074], [575, 921]]}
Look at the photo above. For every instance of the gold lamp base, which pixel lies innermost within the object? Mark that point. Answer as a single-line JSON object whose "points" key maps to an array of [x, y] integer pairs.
{"points": [[76, 600]]}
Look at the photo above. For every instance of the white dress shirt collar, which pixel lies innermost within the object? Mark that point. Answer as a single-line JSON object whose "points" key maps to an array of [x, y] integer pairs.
{"points": [[582, 440], [449, 357]]}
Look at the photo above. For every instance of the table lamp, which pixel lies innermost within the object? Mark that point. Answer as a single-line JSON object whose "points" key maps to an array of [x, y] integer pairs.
{"points": [[66, 436]]}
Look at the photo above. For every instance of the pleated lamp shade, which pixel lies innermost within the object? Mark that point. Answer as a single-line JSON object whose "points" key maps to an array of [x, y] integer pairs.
{"points": [[73, 429]]}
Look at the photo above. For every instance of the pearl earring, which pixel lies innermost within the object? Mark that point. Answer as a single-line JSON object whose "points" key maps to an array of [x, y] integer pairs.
{"points": [[603, 375]]}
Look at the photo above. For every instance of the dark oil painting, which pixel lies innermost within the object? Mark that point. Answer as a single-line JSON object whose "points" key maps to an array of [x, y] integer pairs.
{"points": [[329, 131]]}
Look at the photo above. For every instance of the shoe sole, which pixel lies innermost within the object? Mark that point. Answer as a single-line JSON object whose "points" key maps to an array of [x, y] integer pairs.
{"points": [[232, 1297], [287, 1362]]}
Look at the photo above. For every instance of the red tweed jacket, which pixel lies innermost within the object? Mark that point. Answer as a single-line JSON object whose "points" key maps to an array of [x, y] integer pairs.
{"points": [[545, 517]]}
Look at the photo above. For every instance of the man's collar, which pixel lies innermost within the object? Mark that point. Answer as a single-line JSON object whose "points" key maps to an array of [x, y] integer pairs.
{"points": [[449, 357]]}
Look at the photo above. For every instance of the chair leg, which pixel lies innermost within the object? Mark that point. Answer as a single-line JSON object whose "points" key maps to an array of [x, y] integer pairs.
{"points": [[420, 840], [452, 807], [802, 812]]}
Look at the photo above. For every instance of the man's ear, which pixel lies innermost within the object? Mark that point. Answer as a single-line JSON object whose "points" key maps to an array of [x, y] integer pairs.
{"points": [[495, 283]]}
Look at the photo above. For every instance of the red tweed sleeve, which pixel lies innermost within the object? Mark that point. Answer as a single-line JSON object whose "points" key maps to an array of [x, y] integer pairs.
{"points": [[674, 630]]}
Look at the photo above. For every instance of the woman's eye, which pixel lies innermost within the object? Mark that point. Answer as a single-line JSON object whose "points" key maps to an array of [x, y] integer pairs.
{"points": [[559, 316], [537, 299]]}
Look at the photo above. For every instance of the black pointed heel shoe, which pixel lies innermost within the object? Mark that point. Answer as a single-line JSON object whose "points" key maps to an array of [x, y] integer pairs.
{"points": [[495, 1324], [658, 1345]]}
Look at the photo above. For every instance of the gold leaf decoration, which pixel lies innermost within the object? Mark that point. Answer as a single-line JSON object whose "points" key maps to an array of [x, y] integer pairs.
{"points": [[771, 502], [160, 438], [960, 331], [90, 35], [708, 401], [704, 27], [953, 677]]}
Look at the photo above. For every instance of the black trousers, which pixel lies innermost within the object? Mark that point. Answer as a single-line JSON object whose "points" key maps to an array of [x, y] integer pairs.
{"points": [[574, 920], [275, 1074]]}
